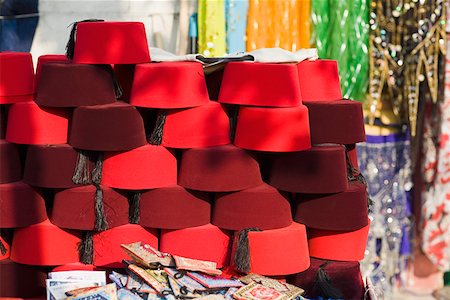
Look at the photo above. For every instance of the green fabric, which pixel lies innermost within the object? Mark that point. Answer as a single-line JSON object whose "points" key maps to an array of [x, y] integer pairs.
{"points": [[447, 278]]}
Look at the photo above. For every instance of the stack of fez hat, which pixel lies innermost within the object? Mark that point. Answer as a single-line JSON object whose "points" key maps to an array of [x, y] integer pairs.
{"points": [[104, 147]]}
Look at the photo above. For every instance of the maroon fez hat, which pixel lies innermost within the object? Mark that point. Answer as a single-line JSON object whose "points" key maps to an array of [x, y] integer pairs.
{"points": [[110, 127], [77, 208], [321, 169], [73, 85], [21, 281], [21, 205], [174, 207], [218, 169], [51, 166], [10, 169], [331, 279], [3, 121], [48, 58], [340, 122], [263, 207], [340, 211]]}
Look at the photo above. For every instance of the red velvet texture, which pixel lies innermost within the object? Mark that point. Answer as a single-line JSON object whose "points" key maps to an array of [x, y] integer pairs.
{"points": [[31, 124], [345, 276], [109, 43], [10, 165], [45, 244], [75, 208], [206, 242], [319, 80], [203, 126], [169, 85], [73, 85], [174, 207], [218, 169], [321, 169], [273, 129], [263, 207], [260, 84], [109, 127], [21, 205], [17, 80], [346, 245], [278, 252], [21, 281], [340, 211], [340, 122], [146, 167], [48, 58], [51, 166], [107, 250]]}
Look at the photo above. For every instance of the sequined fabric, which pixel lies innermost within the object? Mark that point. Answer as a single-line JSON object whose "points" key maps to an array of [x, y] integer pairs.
{"points": [[211, 27], [384, 161]]}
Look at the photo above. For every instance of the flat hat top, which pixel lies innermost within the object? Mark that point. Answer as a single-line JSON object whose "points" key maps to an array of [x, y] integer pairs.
{"points": [[20, 79]]}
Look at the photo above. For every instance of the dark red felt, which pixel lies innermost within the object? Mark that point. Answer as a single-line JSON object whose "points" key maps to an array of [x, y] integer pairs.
{"points": [[125, 75], [21, 281], [218, 169], [174, 207], [321, 169], [78, 266], [48, 58], [319, 80], [10, 165], [17, 80], [340, 211], [260, 84]]}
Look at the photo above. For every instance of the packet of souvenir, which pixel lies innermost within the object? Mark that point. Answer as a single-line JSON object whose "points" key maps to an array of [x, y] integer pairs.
{"points": [[271, 283], [189, 264], [256, 291], [229, 294], [185, 281], [92, 276], [57, 288], [214, 282], [106, 292], [145, 255], [180, 292], [149, 279], [124, 294]]}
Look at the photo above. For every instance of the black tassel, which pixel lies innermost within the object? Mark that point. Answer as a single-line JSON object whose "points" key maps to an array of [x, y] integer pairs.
{"points": [[97, 171], [100, 219], [233, 123], [86, 248], [2, 248], [70, 46], [117, 88], [323, 285], [81, 173], [354, 174], [134, 213], [157, 134], [242, 252]]}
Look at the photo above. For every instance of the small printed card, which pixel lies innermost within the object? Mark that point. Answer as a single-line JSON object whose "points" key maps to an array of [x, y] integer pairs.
{"points": [[145, 255], [190, 264], [213, 282], [184, 280], [57, 288], [256, 291], [106, 292]]}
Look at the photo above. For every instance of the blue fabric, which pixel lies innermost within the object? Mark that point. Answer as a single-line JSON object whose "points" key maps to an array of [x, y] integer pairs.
{"points": [[236, 19]]}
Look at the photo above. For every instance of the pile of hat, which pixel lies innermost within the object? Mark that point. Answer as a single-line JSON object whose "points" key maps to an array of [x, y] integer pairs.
{"points": [[104, 147]]}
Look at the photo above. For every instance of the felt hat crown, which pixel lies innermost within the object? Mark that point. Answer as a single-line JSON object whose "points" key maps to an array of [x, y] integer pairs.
{"points": [[260, 84], [10, 169], [206, 242], [218, 169], [3, 121], [29, 123], [97, 42], [319, 80], [273, 129], [73, 85], [46, 59], [169, 85], [321, 169], [174, 207], [14, 277], [17, 80], [262, 206]]}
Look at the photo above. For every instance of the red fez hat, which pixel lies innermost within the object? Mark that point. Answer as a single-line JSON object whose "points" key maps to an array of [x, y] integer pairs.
{"points": [[51, 166], [75, 208], [72, 85], [260, 84], [21, 281], [107, 250], [3, 117], [28, 123], [108, 43], [206, 242], [321, 169], [21, 205], [319, 80], [340, 122], [218, 169], [10, 169], [48, 58], [273, 129], [145, 167], [169, 85], [341, 211], [275, 252], [353, 155], [338, 244], [45, 244], [263, 207], [174, 207], [78, 266], [331, 280], [110, 127], [203, 126], [17, 80]]}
